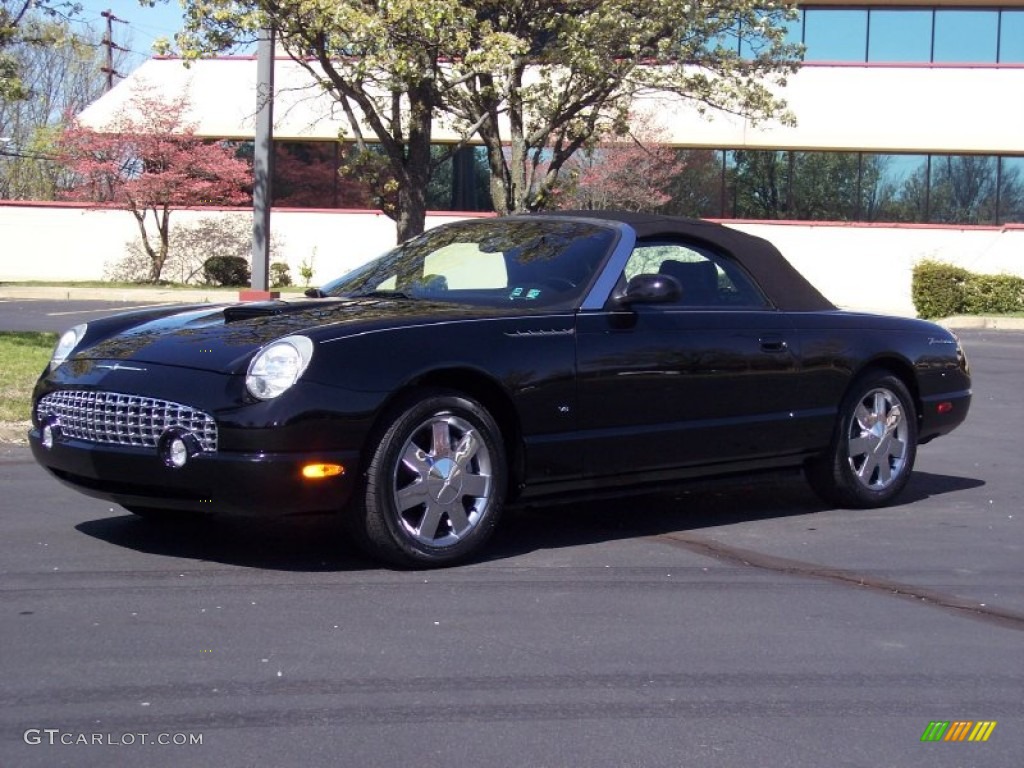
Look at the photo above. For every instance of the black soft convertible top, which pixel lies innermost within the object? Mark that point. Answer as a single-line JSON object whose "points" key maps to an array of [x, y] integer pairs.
{"points": [[787, 288]]}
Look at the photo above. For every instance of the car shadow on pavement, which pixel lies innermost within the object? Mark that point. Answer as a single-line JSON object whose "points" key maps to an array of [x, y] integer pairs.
{"points": [[313, 544], [310, 544], [704, 504]]}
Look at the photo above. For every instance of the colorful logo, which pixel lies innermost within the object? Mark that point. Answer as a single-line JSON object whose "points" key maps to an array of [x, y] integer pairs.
{"points": [[958, 730]]}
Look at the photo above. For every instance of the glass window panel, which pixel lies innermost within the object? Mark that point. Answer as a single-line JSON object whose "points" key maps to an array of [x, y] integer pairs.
{"points": [[893, 187], [306, 174], [696, 190], [966, 36], [835, 35], [1011, 37], [825, 186], [761, 183], [460, 183], [900, 36], [795, 29], [721, 32], [752, 44], [1011, 190], [728, 184], [963, 189], [440, 188]]}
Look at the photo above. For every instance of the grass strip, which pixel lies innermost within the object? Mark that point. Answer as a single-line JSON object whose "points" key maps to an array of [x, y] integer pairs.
{"points": [[23, 356]]}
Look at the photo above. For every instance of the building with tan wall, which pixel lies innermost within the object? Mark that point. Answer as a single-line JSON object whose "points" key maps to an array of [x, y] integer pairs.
{"points": [[916, 104]]}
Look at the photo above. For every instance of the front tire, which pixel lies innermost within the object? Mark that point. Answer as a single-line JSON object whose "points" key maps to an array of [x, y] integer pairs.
{"points": [[873, 450], [435, 485]]}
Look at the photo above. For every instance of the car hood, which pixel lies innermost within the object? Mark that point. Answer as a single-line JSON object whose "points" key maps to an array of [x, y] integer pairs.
{"points": [[223, 338]]}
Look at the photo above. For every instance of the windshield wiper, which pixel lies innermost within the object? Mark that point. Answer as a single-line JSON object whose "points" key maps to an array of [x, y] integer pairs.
{"points": [[379, 294]]}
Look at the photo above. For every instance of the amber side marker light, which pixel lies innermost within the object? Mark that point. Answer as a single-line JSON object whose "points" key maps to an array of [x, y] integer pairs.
{"points": [[945, 407], [320, 471]]}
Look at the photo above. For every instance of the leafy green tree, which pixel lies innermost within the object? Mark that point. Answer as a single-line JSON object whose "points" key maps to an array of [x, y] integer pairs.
{"points": [[542, 80], [535, 81], [382, 62]]}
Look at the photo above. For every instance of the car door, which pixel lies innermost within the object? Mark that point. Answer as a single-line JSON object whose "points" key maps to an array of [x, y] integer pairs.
{"points": [[707, 379]]}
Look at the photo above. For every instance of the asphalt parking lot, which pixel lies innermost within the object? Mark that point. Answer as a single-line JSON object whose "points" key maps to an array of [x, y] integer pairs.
{"points": [[729, 624]]}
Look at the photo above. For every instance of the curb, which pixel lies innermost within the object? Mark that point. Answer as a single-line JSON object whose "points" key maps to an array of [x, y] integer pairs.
{"points": [[981, 322]]}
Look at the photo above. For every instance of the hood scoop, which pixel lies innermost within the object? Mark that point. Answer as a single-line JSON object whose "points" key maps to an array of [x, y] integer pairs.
{"points": [[255, 309]]}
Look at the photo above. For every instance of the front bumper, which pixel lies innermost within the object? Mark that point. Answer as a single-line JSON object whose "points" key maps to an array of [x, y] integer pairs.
{"points": [[224, 482]]}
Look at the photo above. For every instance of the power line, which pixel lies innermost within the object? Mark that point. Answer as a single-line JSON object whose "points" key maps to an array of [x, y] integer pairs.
{"points": [[27, 155]]}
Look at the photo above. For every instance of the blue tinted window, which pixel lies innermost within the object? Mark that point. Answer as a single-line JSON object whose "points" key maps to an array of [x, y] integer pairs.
{"points": [[752, 44], [963, 189], [1011, 37], [966, 36], [835, 35], [894, 187], [900, 36], [795, 29], [1011, 190]]}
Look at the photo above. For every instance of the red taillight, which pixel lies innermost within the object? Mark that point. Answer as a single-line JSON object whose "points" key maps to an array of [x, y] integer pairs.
{"points": [[944, 407]]}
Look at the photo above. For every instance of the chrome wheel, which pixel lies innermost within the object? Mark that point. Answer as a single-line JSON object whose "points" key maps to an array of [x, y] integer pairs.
{"points": [[443, 483], [873, 448], [878, 439], [434, 487]]}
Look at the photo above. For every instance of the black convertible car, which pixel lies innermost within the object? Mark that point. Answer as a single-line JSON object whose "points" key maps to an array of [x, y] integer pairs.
{"points": [[492, 360]]}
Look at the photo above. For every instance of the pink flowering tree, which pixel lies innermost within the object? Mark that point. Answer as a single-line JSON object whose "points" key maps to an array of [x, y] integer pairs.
{"points": [[148, 160], [634, 172]]}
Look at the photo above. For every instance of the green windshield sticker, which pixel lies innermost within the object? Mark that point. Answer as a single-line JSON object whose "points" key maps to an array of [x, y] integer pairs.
{"points": [[524, 293]]}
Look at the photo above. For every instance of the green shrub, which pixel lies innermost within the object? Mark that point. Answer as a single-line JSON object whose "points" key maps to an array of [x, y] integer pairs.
{"points": [[939, 290], [227, 270], [280, 274], [994, 294], [942, 290]]}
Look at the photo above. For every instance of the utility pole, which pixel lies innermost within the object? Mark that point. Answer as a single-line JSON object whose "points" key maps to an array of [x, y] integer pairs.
{"points": [[263, 167], [110, 45]]}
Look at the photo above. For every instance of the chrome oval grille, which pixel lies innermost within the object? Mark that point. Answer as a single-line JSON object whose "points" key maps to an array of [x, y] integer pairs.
{"points": [[113, 418]]}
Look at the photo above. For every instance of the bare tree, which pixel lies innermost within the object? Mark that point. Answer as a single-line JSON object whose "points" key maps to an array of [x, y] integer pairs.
{"points": [[55, 80]]}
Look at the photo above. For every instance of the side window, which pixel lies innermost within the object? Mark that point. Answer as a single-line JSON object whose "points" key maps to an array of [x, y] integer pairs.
{"points": [[707, 279]]}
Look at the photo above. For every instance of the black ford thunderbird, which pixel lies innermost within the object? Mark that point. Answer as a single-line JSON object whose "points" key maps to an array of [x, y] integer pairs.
{"points": [[494, 360]]}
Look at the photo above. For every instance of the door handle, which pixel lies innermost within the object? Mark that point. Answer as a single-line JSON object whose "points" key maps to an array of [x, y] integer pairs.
{"points": [[773, 344]]}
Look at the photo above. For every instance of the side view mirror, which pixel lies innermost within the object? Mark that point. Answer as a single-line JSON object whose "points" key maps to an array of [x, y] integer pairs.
{"points": [[651, 289], [314, 293]]}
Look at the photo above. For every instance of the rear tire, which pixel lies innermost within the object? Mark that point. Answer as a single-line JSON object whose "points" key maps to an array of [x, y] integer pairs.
{"points": [[874, 447], [435, 485]]}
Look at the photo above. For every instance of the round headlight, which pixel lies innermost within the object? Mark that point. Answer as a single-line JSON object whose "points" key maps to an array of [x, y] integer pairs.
{"points": [[67, 344], [277, 366]]}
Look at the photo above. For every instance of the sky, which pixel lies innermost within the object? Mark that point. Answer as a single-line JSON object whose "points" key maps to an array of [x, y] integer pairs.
{"points": [[141, 25]]}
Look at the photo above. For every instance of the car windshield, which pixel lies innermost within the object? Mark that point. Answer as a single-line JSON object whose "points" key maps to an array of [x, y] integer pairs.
{"points": [[537, 262]]}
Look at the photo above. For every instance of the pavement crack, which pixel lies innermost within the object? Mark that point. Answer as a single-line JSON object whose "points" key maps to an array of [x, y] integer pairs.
{"points": [[1001, 617]]}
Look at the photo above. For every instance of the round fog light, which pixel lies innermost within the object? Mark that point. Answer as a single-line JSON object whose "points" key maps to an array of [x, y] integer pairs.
{"points": [[47, 437], [177, 452], [177, 446]]}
